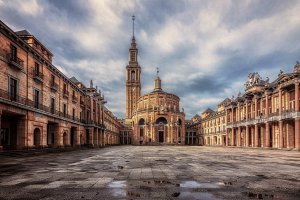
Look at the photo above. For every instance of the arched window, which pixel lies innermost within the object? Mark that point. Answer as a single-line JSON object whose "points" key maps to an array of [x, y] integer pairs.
{"points": [[179, 122], [132, 75], [36, 137], [141, 121], [161, 120]]}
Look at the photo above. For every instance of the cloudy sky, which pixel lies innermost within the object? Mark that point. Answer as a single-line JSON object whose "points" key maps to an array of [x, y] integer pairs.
{"points": [[204, 49]]}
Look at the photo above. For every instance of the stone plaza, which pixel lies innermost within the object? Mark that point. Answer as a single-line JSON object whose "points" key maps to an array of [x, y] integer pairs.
{"points": [[152, 172]]}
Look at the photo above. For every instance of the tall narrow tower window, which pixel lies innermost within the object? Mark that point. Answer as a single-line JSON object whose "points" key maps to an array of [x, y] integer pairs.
{"points": [[132, 75], [132, 56]]}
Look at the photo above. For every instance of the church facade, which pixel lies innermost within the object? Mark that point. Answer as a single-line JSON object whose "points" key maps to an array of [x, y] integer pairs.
{"points": [[155, 118]]}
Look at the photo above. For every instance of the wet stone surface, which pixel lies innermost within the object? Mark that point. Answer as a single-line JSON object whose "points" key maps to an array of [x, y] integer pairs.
{"points": [[153, 172]]}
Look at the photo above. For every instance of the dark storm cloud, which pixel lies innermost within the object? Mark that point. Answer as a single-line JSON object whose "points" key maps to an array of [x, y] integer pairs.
{"points": [[203, 85], [237, 15], [75, 10]]}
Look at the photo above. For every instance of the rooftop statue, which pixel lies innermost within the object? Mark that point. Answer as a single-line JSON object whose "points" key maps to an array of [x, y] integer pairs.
{"points": [[254, 80], [297, 67]]}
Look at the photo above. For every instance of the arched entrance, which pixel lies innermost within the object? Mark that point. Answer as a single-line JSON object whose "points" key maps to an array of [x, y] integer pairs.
{"points": [[36, 137], [81, 139], [65, 138], [160, 123], [141, 130]]}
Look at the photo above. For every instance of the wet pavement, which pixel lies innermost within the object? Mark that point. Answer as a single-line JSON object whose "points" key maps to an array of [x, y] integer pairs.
{"points": [[153, 172]]}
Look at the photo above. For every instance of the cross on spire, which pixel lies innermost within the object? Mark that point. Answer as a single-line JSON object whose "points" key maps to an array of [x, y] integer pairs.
{"points": [[157, 71], [133, 18]]}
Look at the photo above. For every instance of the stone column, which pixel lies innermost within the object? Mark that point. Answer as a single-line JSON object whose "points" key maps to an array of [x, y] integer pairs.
{"points": [[297, 134], [280, 134], [103, 137], [226, 137], [251, 110], [279, 100], [239, 137], [256, 135], [255, 107], [267, 135], [267, 105], [232, 137], [296, 96], [247, 137], [246, 111], [262, 136], [238, 117]]}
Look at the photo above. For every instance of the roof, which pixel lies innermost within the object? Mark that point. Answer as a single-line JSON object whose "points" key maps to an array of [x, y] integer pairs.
{"points": [[224, 101], [208, 110], [74, 80], [23, 32], [196, 116]]}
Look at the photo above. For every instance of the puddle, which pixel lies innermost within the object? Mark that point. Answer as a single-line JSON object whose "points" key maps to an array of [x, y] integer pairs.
{"points": [[134, 194], [161, 160], [195, 184], [161, 182], [253, 195], [117, 184], [116, 192], [197, 195]]}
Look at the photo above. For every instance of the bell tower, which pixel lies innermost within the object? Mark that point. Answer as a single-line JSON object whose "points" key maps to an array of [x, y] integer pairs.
{"points": [[133, 79]]}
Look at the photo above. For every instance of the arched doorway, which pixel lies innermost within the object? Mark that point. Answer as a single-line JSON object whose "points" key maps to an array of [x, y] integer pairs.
{"points": [[179, 124], [141, 130], [37, 137], [81, 139], [160, 123], [65, 138]]}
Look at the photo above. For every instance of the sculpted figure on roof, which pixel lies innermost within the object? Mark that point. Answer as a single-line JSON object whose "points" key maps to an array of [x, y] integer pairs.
{"points": [[254, 79]]}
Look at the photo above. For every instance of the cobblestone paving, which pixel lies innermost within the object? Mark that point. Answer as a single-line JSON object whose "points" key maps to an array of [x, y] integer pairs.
{"points": [[153, 172]]}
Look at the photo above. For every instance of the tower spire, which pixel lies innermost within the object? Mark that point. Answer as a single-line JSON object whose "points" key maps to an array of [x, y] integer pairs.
{"points": [[133, 18], [157, 82]]}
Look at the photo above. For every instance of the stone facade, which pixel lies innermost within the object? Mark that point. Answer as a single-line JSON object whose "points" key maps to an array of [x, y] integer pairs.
{"points": [[112, 128], [266, 116], [39, 106], [214, 125], [193, 131], [154, 118]]}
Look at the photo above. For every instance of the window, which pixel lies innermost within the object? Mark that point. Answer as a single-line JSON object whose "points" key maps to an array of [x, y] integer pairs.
{"points": [[13, 89], [65, 110], [73, 113], [65, 88], [132, 56], [132, 75], [13, 52], [36, 69], [52, 79], [36, 98], [52, 105]]}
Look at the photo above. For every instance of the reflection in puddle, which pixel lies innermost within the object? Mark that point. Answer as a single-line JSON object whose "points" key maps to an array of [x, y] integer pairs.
{"points": [[117, 184], [117, 192], [197, 195], [195, 184]]}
